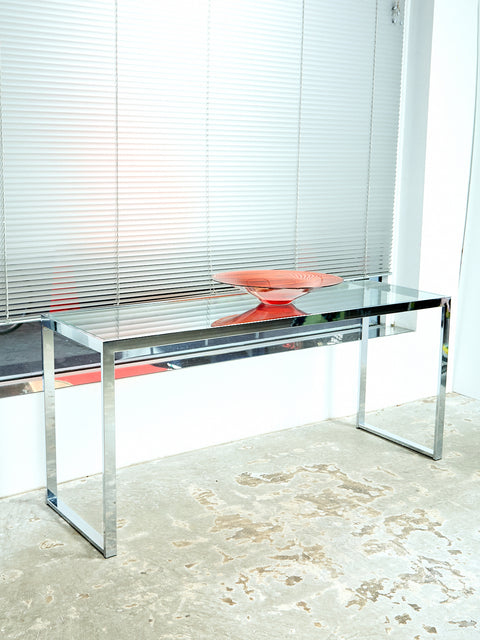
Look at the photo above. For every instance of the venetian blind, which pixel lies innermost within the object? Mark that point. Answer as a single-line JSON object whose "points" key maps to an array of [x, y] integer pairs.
{"points": [[146, 145], [59, 153]]}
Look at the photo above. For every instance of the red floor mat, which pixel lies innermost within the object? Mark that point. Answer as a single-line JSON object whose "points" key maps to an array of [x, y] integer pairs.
{"points": [[123, 371]]}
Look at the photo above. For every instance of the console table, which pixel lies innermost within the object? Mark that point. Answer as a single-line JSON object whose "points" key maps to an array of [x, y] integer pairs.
{"points": [[221, 324]]}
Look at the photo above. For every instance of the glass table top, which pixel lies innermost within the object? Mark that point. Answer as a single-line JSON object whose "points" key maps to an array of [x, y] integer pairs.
{"points": [[211, 316]]}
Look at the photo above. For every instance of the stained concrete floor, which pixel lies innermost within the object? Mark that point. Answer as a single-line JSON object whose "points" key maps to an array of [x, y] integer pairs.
{"points": [[319, 532]]}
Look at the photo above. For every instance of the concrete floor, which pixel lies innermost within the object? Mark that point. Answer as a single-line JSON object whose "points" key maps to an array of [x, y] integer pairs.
{"points": [[321, 532]]}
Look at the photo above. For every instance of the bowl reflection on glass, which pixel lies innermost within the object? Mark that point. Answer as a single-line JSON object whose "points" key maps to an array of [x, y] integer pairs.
{"points": [[260, 313]]}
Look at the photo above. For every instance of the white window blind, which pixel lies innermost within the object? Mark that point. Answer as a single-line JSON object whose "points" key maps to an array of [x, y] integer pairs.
{"points": [[162, 115], [146, 145], [59, 149]]}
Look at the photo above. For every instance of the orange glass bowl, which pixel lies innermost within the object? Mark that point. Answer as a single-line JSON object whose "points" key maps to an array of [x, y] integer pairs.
{"points": [[277, 286]]}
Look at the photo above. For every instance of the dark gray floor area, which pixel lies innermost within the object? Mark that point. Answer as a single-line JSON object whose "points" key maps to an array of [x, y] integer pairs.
{"points": [[21, 351]]}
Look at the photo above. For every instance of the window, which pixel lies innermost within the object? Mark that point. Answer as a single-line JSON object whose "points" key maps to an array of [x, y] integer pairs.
{"points": [[146, 145]]}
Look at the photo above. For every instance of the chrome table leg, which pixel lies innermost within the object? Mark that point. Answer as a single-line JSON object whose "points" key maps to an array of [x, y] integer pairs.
{"points": [[362, 391], [442, 382], [109, 457], [436, 451], [106, 543], [49, 406]]}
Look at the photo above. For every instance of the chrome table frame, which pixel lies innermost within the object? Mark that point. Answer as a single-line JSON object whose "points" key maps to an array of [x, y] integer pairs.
{"points": [[242, 338]]}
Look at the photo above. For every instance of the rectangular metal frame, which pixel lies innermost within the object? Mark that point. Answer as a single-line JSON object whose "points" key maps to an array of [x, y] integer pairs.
{"points": [[434, 452], [106, 541]]}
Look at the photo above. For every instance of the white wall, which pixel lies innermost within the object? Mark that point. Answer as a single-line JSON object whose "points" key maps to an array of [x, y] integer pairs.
{"points": [[449, 143], [169, 412], [413, 144], [466, 374], [449, 150]]}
